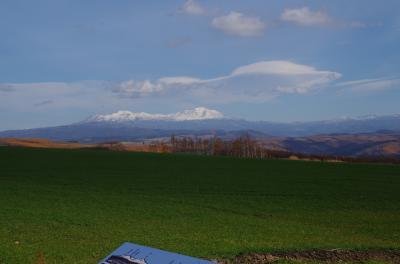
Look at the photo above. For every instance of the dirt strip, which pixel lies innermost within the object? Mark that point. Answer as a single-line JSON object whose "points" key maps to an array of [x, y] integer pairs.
{"points": [[324, 256]]}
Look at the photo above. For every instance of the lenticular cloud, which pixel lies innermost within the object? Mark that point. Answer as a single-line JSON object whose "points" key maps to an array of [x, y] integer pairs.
{"points": [[259, 81]]}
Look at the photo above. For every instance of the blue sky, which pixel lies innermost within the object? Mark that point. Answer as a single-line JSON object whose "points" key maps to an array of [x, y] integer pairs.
{"points": [[64, 60]]}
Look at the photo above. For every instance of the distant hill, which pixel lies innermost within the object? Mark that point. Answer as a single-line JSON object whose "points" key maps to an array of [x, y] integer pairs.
{"points": [[356, 145]]}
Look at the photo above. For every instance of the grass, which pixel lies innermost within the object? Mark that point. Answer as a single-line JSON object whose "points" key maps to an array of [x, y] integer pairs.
{"points": [[76, 206]]}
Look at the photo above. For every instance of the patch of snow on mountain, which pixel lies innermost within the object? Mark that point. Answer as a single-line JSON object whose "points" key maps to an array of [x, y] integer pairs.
{"points": [[199, 113]]}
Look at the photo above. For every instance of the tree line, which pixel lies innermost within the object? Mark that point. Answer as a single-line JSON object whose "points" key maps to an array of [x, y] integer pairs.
{"points": [[242, 147], [246, 147]]}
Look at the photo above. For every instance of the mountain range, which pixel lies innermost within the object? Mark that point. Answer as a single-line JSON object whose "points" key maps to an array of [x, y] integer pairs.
{"points": [[124, 126]]}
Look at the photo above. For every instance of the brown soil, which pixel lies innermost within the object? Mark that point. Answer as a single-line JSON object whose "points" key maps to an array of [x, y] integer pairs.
{"points": [[323, 256], [40, 143], [45, 143]]}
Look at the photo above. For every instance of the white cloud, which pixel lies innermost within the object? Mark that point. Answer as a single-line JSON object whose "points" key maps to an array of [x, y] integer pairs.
{"points": [[181, 80], [371, 85], [275, 67], [260, 81], [238, 24], [143, 88], [191, 7], [305, 17], [133, 88]]}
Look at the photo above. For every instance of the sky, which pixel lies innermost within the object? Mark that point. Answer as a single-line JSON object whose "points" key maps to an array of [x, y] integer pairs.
{"points": [[62, 61]]}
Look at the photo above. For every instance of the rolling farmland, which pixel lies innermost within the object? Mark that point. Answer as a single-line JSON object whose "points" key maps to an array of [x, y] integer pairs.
{"points": [[76, 206]]}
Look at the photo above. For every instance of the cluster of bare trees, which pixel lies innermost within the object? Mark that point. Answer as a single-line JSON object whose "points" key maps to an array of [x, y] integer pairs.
{"points": [[243, 147]]}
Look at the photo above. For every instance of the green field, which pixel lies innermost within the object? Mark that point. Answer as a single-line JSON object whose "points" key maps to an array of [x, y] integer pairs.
{"points": [[75, 206]]}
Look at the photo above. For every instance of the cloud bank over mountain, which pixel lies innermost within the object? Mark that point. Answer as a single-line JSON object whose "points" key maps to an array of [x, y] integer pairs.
{"points": [[258, 82]]}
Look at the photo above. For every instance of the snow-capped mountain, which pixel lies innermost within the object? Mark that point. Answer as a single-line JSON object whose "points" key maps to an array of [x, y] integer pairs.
{"points": [[129, 126], [369, 135], [198, 113]]}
